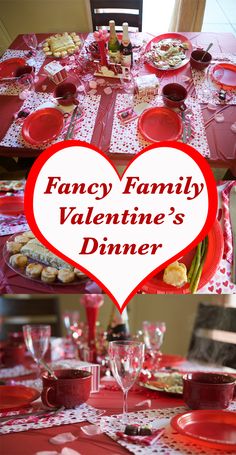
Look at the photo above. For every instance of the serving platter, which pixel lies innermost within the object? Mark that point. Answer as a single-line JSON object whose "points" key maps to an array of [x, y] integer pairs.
{"points": [[22, 271], [166, 39]]}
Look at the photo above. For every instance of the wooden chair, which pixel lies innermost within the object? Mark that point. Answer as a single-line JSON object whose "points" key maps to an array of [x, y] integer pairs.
{"points": [[214, 335], [120, 11], [14, 313]]}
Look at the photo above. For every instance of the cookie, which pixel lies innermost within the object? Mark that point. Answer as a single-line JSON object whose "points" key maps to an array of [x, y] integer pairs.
{"points": [[14, 247], [21, 239], [49, 274], [18, 260], [34, 270], [66, 276]]}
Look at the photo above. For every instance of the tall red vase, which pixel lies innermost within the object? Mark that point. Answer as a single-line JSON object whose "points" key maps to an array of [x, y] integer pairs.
{"points": [[92, 315], [102, 51]]}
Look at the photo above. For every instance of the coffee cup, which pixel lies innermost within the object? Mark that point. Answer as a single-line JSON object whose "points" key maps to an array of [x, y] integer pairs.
{"points": [[65, 93], [208, 390], [197, 63], [24, 70], [70, 389], [12, 354], [174, 95]]}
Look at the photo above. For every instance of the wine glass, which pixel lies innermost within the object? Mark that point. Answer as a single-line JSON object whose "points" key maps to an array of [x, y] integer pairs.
{"points": [[128, 86], [126, 359], [70, 319], [153, 334], [31, 42], [37, 338]]}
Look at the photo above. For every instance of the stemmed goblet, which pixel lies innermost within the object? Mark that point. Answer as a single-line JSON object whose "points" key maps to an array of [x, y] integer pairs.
{"points": [[153, 334], [37, 338], [126, 359]]}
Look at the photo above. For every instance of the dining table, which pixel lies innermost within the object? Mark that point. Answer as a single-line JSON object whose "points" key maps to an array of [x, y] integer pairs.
{"points": [[13, 281], [213, 136], [108, 402]]}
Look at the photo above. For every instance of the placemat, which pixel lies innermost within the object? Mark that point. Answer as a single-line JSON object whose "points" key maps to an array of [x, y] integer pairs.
{"points": [[170, 443], [206, 90], [90, 105], [127, 139], [64, 417]]}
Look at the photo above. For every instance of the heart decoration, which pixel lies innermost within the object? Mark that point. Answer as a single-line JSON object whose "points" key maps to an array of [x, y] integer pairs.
{"points": [[120, 230]]}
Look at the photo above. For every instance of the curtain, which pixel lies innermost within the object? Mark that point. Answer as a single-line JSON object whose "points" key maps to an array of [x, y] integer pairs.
{"points": [[187, 16]]}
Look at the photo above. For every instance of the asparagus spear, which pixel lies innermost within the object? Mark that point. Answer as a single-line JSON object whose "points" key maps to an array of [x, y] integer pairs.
{"points": [[197, 263], [194, 283]]}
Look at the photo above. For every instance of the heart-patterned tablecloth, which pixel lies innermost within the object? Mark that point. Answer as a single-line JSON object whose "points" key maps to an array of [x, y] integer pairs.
{"points": [[64, 417], [14, 372], [10, 225], [170, 443]]}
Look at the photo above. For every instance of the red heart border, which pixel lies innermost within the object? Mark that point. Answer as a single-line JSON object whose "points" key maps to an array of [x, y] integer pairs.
{"points": [[190, 151]]}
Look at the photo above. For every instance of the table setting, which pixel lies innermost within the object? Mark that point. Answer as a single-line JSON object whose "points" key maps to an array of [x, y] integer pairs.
{"points": [[194, 412], [112, 105], [23, 268]]}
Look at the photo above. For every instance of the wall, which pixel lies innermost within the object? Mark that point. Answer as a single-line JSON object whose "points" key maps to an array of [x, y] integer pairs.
{"points": [[25, 16], [177, 311]]}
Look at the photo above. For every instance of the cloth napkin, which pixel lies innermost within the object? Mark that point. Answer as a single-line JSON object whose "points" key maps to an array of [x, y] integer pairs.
{"points": [[12, 224], [143, 440]]}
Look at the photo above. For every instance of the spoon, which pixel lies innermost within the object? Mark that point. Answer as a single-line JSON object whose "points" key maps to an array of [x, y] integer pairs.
{"points": [[49, 369], [207, 49]]}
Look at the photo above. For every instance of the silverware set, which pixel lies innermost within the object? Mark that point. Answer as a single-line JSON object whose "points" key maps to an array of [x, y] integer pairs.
{"points": [[77, 113]]}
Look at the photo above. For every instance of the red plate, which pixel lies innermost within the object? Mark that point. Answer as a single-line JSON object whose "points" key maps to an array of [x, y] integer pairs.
{"points": [[9, 67], [17, 396], [224, 74], [160, 124], [12, 205], [167, 360], [156, 284], [216, 428], [42, 126], [174, 36]]}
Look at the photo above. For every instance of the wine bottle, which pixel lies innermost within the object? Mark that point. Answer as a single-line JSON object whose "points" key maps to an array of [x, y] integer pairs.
{"points": [[113, 43], [118, 327], [126, 47]]}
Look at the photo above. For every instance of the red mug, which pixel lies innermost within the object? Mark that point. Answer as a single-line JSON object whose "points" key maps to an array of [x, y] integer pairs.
{"points": [[195, 59], [174, 95], [66, 93], [71, 389], [15, 337], [24, 70], [208, 390], [12, 354]]}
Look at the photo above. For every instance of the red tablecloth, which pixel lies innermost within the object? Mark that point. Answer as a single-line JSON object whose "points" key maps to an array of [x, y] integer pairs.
{"points": [[32, 441], [222, 145]]}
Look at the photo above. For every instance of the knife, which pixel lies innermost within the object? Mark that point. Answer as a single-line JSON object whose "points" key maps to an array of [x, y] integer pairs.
{"points": [[68, 133], [232, 211]]}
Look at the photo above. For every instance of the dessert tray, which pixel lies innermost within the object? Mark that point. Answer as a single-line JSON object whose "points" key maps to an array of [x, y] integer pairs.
{"points": [[169, 51], [62, 45], [24, 254]]}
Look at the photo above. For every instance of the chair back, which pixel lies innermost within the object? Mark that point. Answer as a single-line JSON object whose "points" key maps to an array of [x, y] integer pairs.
{"points": [[214, 335], [120, 11]]}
